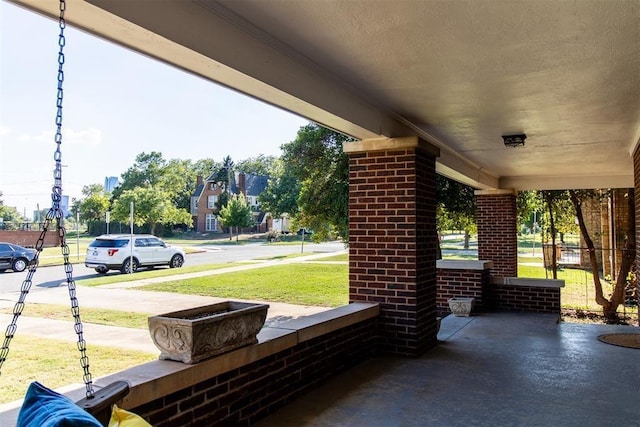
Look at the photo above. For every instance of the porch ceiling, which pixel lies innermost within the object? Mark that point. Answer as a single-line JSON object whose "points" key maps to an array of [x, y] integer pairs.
{"points": [[458, 73]]}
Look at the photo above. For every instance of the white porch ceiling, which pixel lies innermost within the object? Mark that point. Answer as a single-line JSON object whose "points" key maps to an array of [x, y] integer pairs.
{"points": [[458, 73]]}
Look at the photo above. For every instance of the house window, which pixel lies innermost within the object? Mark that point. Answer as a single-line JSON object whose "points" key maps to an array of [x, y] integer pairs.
{"points": [[211, 223], [211, 202], [213, 186]]}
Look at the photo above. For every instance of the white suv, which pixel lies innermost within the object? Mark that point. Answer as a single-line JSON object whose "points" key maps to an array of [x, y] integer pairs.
{"points": [[113, 252]]}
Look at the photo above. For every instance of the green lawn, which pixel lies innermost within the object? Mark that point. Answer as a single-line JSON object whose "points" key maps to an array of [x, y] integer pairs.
{"points": [[307, 284], [100, 316], [117, 277], [56, 363]]}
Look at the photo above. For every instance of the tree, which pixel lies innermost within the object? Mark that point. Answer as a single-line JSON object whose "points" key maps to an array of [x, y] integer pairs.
{"points": [[151, 206], [456, 207], [259, 165], [9, 215], [316, 159], [609, 306], [224, 176], [146, 172], [237, 213], [282, 192], [95, 204]]}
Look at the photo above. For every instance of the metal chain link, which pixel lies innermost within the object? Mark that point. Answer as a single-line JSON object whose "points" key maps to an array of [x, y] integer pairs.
{"points": [[54, 213]]}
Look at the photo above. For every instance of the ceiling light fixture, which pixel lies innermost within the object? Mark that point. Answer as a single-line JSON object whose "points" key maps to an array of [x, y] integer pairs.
{"points": [[514, 140]]}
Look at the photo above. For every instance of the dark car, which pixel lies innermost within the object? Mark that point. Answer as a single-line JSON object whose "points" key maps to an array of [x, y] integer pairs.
{"points": [[15, 257]]}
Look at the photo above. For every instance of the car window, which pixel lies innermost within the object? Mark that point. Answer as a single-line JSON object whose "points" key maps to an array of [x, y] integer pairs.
{"points": [[155, 242], [5, 247], [109, 243], [141, 243]]}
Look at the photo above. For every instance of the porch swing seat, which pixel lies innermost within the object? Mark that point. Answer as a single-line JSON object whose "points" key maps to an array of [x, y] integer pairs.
{"points": [[45, 407]]}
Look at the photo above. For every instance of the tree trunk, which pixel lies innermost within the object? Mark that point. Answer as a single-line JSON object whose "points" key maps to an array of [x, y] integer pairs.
{"points": [[610, 307], [467, 237], [554, 265]]}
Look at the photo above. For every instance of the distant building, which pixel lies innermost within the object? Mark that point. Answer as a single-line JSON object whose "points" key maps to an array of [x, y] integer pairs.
{"points": [[110, 183]]}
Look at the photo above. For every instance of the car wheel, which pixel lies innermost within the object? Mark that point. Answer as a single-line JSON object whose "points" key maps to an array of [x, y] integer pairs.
{"points": [[19, 265], [127, 267], [102, 270], [176, 261]]}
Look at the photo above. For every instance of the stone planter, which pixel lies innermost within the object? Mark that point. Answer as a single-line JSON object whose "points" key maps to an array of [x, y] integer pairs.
{"points": [[461, 306], [196, 334]]}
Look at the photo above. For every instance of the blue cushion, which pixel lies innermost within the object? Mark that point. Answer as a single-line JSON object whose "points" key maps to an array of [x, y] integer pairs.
{"points": [[43, 407]]}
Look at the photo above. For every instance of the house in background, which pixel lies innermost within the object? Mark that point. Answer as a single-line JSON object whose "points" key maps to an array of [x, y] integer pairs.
{"points": [[207, 194]]}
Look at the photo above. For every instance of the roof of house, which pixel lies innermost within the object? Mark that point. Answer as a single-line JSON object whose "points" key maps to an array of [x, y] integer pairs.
{"points": [[254, 184], [198, 191]]}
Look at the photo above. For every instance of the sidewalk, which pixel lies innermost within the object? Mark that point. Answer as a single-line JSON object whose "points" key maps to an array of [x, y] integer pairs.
{"points": [[121, 296]]}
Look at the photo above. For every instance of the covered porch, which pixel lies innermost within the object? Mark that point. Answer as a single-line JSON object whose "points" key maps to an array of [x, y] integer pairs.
{"points": [[495, 368], [432, 91]]}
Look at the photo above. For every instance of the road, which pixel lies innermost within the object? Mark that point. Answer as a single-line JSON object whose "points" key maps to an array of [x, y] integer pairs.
{"points": [[51, 276]]}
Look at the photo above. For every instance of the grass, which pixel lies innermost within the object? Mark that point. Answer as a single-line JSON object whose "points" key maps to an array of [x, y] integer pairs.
{"points": [[100, 316], [116, 277], [56, 363], [334, 258], [306, 284], [578, 292]]}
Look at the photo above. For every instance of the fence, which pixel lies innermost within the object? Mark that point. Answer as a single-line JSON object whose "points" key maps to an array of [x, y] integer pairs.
{"points": [[574, 267]]}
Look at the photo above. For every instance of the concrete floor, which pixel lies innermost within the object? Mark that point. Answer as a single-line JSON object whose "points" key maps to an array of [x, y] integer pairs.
{"points": [[494, 369]]}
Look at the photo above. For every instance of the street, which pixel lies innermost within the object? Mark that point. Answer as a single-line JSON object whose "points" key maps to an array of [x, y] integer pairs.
{"points": [[52, 276]]}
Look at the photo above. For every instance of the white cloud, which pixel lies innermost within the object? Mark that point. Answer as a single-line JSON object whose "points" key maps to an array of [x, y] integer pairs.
{"points": [[89, 136]]}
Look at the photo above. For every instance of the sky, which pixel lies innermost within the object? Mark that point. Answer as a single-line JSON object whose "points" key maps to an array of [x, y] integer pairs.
{"points": [[117, 104]]}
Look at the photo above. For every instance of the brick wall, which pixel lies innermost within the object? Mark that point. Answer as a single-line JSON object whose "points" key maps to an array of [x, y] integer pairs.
{"points": [[523, 298], [497, 231], [243, 395], [29, 238], [461, 283], [392, 242]]}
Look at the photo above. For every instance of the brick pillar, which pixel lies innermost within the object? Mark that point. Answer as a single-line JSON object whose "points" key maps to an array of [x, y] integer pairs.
{"points": [[497, 231], [392, 238], [636, 191]]}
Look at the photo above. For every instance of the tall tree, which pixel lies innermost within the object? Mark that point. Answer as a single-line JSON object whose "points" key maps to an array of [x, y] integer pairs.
{"points": [[258, 165], [237, 213], [224, 176], [456, 207], [316, 159], [146, 172], [282, 192], [609, 306]]}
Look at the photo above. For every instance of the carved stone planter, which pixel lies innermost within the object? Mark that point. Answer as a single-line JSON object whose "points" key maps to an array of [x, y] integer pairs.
{"points": [[196, 334], [461, 306]]}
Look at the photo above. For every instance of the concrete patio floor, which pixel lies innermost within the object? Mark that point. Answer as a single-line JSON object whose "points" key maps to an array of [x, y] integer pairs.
{"points": [[494, 369]]}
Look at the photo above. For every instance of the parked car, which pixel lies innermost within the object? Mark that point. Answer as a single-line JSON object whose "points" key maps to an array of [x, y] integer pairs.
{"points": [[114, 252], [15, 257]]}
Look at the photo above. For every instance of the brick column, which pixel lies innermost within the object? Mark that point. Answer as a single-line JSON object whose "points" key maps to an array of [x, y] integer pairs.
{"points": [[497, 231], [392, 238], [636, 195]]}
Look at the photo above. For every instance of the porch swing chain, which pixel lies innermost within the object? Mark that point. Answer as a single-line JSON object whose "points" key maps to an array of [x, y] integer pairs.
{"points": [[55, 212]]}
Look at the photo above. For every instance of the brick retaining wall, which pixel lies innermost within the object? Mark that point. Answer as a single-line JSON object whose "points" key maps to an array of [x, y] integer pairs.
{"points": [[246, 394], [523, 298], [29, 238]]}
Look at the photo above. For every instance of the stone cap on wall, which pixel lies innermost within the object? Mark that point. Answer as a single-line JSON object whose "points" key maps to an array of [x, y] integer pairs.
{"points": [[524, 281], [463, 264]]}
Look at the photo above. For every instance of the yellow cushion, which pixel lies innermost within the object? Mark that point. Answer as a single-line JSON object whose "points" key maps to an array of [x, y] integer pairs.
{"points": [[122, 418]]}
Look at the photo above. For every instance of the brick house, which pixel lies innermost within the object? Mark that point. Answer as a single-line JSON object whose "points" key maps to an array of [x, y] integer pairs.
{"points": [[207, 194]]}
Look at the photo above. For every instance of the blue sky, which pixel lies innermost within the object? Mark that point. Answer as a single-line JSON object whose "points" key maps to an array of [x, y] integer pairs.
{"points": [[117, 104]]}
